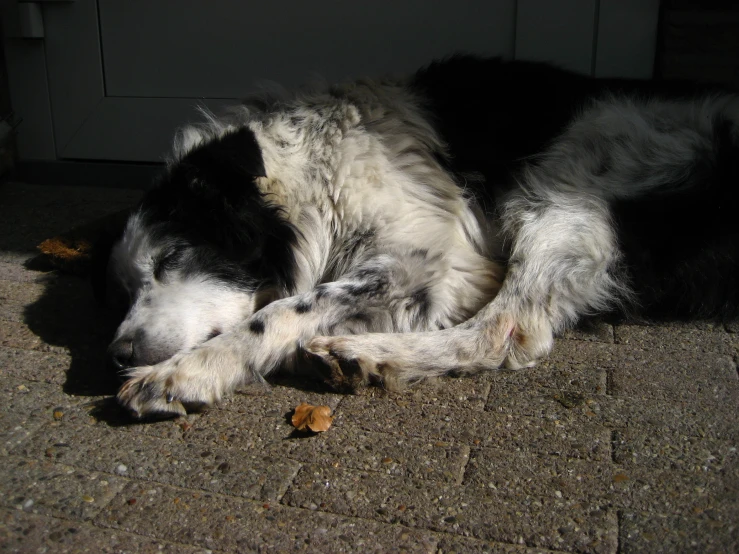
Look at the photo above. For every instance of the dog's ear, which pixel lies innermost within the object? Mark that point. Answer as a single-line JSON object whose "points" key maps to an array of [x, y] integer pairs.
{"points": [[215, 180], [212, 193], [236, 153]]}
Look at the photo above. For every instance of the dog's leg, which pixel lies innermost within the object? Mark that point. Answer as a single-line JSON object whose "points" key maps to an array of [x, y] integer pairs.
{"points": [[379, 294], [563, 264]]}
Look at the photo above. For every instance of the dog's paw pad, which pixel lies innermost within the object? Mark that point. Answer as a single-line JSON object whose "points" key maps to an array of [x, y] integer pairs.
{"points": [[347, 366]]}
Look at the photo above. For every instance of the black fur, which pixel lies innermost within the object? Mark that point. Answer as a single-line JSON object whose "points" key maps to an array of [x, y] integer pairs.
{"points": [[680, 244], [303, 307], [216, 181], [256, 326]]}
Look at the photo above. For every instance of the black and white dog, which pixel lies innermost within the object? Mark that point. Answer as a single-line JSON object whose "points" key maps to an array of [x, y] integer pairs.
{"points": [[455, 221]]}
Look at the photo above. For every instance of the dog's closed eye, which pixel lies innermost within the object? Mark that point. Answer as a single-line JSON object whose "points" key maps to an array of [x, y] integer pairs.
{"points": [[167, 261]]}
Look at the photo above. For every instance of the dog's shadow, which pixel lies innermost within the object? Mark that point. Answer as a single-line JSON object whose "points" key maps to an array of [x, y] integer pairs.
{"points": [[67, 315]]}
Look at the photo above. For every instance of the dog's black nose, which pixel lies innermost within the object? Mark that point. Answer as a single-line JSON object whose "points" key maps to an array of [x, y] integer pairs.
{"points": [[121, 353]]}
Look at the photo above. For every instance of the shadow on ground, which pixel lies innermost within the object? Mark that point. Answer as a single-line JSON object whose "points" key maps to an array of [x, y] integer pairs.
{"points": [[68, 316]]}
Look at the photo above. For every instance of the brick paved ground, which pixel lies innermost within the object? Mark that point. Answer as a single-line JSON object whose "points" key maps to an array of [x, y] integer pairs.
{"points": [[625, 440]]}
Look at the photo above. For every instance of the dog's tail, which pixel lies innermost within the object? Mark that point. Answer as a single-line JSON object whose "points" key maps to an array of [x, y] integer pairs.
{"points": [[682, 243]]}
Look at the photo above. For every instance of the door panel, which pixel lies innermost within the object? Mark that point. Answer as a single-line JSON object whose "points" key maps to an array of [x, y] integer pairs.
{"points": [[123, 75], [560, 32], [135, 129], [74, 66], [221, 49], [627, 38]]}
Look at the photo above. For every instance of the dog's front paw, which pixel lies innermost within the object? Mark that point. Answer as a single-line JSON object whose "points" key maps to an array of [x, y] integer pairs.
{"points": [[147, 394], [168, 389]]}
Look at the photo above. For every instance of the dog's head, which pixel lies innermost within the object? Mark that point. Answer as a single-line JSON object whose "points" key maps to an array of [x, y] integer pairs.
{"points": [[204, 250]]}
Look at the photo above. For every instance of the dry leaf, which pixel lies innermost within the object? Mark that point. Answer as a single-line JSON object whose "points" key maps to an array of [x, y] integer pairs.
{"points": [[315, 418]]}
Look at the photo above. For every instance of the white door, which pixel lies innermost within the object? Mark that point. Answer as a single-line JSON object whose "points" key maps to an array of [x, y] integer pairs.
{"points": [[112, 79]]}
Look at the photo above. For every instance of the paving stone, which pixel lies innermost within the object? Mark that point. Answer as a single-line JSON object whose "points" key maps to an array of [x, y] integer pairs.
{"points": [[215, 521], [178, 428], [672, 375], [27, 406], [675, 418], [169, 456], [22, 532], [597, 331], [271, 434], [83, 425], [569, 368], [62, 443], [259, 400], [675, 492], [194, 466], [535, 520], [399, 416], [462, 392], [67, 315], [15, 271], [700, 532], [691, 337], [669, 450], [63, 319], [636, 421], [655, 375], [454, 544], [544, 403], [18, 258], [526, 475], [567, 437], [49, 367], [48, 488], [15, 296], [390, 454], [14, 334], [398, 455]]}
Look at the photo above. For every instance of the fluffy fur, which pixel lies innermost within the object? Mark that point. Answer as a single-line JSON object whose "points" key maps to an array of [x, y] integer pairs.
{"points": [[455, 221]]}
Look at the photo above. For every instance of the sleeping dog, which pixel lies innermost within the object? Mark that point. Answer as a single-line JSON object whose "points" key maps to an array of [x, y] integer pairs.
{"points": [[453, 221]]}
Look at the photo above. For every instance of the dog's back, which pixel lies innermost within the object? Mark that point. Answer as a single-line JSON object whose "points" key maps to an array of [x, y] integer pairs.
{"points": [[679, 236]]}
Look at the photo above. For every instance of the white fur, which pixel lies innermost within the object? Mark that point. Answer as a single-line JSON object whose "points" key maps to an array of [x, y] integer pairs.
{"points": [[362, 162]]}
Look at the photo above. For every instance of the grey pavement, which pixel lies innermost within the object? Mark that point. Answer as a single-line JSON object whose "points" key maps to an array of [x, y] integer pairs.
{"points": [[623, 441]]}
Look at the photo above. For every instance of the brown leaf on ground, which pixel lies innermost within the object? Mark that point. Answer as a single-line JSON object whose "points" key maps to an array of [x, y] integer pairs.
{"points": [[315, 418], [73, 251]]}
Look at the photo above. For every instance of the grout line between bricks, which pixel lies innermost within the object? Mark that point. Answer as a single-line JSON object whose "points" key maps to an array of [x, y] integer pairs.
{"points": [[254, 501], [611, 446], [467, 453], [281, 495], [609, 382]]}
